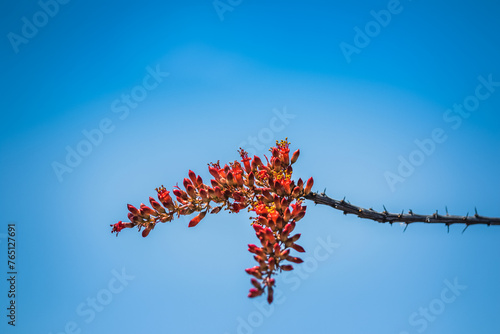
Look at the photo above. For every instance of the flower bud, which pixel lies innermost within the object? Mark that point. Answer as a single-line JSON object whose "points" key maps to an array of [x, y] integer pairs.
{"points": [[272, 263], [213, 171], [263, 221], [254, 271], [199, 181], [230, 179], [277, 202], [256, 161], [276, 164], [216, 209], [258, 228], [254, 293], [270, 294], [287, 214], [137, 219], [218, 192], [186, 182], [270, 235], [204, 195], [256, 250], [197, 219], [156, 205], [250, 180], [309, 185], [294, 238], [165, 218], [287, 267], [280, 190], [300, 184], [145, 232], [260, 259], [300, 215], [252, 248], [256, 284], [146, 210], [298, 248], [279, 223], [294, 259], [192, 176], [180, 194], [284, 254], [133, 210], [191, 191], [288, 228], [295, 156], [267, 195]]}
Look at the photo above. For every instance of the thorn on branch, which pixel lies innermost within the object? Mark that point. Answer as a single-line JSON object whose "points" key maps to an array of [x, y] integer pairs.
{"points": [[466, 225]]}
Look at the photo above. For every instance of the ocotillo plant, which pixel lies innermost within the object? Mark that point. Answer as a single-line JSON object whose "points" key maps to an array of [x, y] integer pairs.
{"points": [[276, 201]]}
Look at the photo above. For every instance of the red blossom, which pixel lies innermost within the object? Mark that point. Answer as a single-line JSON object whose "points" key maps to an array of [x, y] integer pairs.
{"points": [[117, 227], [261, 209]]}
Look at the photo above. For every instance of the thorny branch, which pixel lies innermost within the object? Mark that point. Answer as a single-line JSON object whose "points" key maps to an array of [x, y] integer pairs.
{"points": [[407, 218]]}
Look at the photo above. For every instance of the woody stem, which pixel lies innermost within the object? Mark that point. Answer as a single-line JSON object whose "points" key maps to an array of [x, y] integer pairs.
{"points": [[408, 218]]}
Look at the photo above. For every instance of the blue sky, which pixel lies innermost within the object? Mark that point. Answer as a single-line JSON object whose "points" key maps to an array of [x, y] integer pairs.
{"points": [[104, 103]]}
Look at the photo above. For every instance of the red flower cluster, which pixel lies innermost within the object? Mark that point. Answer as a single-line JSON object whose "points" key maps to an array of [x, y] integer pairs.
{"points": [[267, 189]]}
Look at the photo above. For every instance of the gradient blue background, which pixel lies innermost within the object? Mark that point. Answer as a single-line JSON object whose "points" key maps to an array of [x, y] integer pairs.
{"points": [[351, 121]]}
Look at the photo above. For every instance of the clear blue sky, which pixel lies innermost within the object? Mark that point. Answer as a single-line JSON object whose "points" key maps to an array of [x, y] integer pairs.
{"points": [[391, 103]]}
